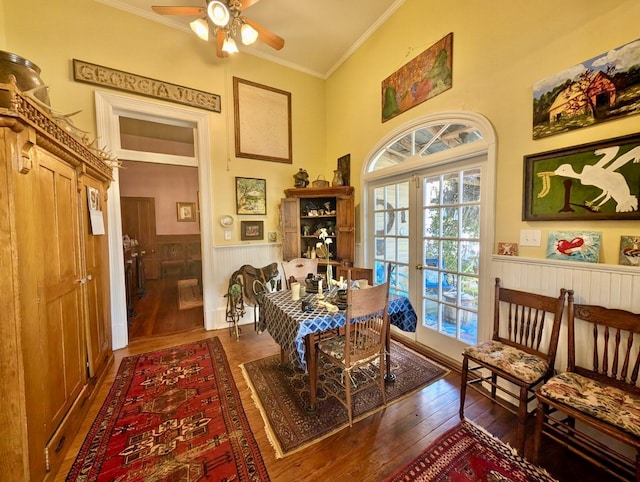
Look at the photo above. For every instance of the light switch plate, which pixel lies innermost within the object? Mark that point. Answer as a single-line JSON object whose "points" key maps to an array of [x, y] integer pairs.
{"points": [[530, 237], [227, 235]]}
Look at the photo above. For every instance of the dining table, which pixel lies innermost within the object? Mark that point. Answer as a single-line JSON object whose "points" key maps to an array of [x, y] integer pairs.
{"points": [[296, 324]]}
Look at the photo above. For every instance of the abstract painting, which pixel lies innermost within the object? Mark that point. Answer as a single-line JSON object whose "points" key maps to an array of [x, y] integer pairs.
{"points": [[600, 89], [422, 78], [574, 246]]}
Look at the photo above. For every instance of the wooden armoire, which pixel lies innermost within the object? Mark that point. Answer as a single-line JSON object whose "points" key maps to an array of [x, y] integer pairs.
{"points": [[55, 326]]}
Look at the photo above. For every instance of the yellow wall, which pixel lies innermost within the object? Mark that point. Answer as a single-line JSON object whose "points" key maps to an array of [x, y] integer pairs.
{"points": [[500, 49], [54, 32]]}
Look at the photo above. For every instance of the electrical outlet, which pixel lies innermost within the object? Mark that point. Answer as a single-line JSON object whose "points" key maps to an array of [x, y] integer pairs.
{"points": [[530, 237], [227, 235]]}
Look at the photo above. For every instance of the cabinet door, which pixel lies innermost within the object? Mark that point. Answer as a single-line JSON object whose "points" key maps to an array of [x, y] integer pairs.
{"points": [[290, 212], [345, 227], [96, 278], [63, 365]]}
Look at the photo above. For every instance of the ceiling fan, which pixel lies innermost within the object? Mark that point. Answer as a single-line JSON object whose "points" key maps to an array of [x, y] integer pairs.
{"points": [[226, 19]]}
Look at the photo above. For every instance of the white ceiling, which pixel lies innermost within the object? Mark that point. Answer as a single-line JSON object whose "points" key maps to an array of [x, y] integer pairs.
{"points": [[319, 34]]}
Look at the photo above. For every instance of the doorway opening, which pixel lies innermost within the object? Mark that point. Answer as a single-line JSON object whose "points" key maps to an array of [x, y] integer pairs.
{"points": [[145, 135]]}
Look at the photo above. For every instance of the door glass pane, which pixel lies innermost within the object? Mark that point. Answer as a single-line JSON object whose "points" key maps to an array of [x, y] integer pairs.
{"points": [[391, 217], [451, 248]]}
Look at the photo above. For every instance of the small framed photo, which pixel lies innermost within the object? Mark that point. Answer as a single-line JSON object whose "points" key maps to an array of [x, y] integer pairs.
{"points": [[251, 230], [186, 212], [273, 237], [508, 249], [251, 196]]}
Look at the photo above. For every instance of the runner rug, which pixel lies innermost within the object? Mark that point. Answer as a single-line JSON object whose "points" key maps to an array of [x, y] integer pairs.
{"points": [[467, 453], [281, 394], [189, 294], [172, 415]]}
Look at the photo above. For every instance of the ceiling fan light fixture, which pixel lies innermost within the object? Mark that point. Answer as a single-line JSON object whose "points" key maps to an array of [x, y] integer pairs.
{"points": [[229, 46], [248, 33], [200, 28], [218, 13]]}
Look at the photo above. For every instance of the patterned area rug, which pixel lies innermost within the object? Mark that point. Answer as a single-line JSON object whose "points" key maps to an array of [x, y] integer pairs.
{"points": [[467, 453], [189, 294], [281, 393], [172, 415]]}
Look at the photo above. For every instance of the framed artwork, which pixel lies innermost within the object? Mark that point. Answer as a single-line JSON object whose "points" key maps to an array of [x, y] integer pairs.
{"points": [[599, 180], [262, 122], [574, 246], [251, 195], [600, 89], [251, 230], [344, 166], [186, 212], [508, 249], [422, 78], [630, 250]]}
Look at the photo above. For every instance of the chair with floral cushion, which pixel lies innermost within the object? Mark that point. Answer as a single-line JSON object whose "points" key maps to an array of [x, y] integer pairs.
{"points": [[359, 347], [521, 351], [599, 390]]}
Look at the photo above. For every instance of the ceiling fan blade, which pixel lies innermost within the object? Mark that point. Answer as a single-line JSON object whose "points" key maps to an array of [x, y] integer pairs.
{"points": [[247, 3], [220, 35], [266, 36], [191, 11]]}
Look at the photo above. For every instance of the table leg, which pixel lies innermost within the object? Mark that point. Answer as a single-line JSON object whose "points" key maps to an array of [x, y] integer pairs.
{"points": [[388, 377], [312, 370]]}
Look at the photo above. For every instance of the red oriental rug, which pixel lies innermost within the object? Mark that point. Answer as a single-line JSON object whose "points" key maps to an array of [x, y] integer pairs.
{"points": [[172, 415], [467, 453]]}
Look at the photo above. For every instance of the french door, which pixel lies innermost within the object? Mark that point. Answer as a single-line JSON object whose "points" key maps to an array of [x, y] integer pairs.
{"points": [[427, 225]]}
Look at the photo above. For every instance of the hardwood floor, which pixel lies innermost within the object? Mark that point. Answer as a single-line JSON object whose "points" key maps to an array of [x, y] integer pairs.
{"points": [[157, 312], [370, 451]]}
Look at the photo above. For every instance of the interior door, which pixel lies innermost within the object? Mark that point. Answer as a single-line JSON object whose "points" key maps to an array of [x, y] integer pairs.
{"points": [[139, 222]]}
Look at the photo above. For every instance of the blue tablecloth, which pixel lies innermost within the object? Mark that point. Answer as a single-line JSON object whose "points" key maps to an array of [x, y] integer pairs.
{"points": [[285, 321]]}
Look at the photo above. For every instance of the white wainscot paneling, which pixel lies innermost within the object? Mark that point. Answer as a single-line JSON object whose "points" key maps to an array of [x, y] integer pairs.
{"points": [[226, 260]]}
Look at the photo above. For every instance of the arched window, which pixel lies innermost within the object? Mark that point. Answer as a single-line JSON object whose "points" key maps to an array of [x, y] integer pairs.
{"points": [[429, 213]]}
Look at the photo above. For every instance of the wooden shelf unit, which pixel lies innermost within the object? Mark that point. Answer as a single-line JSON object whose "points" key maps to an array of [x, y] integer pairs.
{"points": [[308, 207]]}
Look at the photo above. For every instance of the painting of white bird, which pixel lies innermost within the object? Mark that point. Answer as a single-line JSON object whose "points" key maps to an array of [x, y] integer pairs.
{"points": [[603, 175]]}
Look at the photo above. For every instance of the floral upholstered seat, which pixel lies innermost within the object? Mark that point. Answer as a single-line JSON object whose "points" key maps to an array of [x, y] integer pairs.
{"points": [[599, 400], [596, 400], [518, 363]]}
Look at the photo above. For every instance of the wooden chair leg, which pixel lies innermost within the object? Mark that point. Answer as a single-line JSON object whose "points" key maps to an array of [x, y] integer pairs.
{"points": [[537, 438], [463, 385], [347, 386], [494, 381], [522, 419], [383, 370]]}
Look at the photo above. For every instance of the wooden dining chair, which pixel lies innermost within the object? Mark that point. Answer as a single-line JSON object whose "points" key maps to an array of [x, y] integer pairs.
{"points": [[360, 345], [299, 268], [596, 401], [521, 351]]}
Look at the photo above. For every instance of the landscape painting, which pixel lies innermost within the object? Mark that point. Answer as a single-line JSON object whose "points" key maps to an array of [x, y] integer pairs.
{"points": [[422, 78], [603, 88]]}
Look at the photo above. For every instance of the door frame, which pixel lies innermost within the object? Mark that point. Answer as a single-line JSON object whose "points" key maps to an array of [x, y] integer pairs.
{"points": [[109, 107], [417, 165]]}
